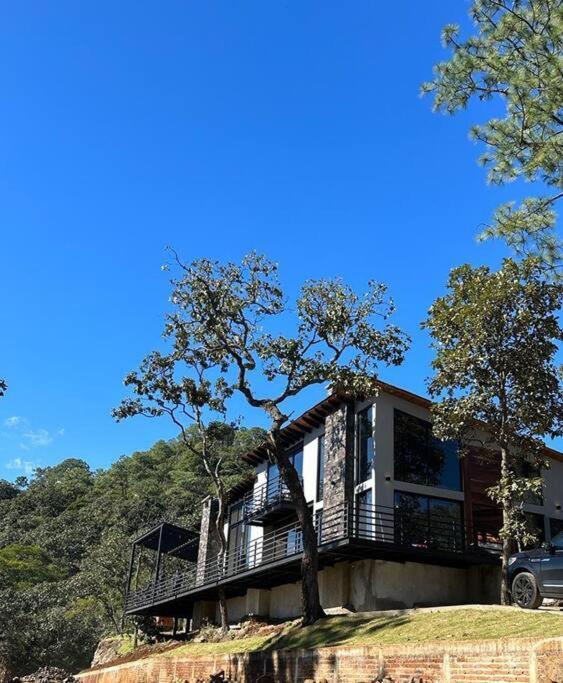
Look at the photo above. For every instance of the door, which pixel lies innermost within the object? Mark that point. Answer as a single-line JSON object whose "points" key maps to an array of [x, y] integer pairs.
{"points": [[552, 568]]}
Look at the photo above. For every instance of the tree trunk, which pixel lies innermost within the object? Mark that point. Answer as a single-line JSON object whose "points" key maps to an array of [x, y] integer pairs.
{"points": [[311, 603], [507, 543], [506, 553], [220, 530]]}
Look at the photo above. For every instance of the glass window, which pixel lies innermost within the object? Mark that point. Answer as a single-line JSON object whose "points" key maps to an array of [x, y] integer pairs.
{"points": [[365, 514], [557, 540], [426, 522], [529, 471], [535, 524], [276, 488], [320, 466], [422, 459], [555, 527], [297, 460], [237, 539], [365, 446], [273, 488]]}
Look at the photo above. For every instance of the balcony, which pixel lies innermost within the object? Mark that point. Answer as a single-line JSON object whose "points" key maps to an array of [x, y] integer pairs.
{"points": [[267, 503], [343, 533]]}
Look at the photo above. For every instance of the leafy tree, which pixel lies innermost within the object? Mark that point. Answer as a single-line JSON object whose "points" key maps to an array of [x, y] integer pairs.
{"points": [[81, 523], [180, 387], [44, 626], [53, 513], [3, 387], [495, 338], [101, 580], [7, 490], [515, 57], [23, 566], [220, 313]]}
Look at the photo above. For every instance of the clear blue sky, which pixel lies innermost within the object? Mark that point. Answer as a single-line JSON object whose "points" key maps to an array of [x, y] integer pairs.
{"points": [[293, 128]]}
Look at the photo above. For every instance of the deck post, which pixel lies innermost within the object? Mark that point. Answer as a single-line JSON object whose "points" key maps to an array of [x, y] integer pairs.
{"points": [[157, 570], [130, 572]]}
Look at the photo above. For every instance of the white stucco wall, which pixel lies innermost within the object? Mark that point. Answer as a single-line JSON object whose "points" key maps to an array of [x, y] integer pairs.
{"points": [[367, 585]]}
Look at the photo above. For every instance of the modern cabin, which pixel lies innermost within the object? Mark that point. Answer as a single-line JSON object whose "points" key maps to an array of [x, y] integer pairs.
{"points": [[401, 521]]}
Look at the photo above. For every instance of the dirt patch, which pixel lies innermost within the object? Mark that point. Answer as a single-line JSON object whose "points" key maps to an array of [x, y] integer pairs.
{"points": [[140, 653]]}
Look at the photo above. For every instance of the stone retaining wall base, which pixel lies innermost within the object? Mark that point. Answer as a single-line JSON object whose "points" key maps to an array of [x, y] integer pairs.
{"points": [[510, 661]]}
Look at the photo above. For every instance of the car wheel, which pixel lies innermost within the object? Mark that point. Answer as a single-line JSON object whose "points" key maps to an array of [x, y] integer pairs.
{"points": [[525, 591]]}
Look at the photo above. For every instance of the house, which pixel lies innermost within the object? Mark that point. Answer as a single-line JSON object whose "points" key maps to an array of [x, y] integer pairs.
{"points": [[401, 521]]}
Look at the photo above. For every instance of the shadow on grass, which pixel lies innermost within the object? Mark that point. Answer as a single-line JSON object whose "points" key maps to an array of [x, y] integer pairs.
{"points": [[334, 631], [268, 666]]}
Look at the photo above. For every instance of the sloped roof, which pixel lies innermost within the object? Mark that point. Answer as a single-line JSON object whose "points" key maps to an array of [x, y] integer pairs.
{"points": [[315, 417], [294, 431]]}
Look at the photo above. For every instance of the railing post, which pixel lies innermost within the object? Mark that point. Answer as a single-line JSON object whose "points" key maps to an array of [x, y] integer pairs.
{"points": [[157, 571], [130, 572]]}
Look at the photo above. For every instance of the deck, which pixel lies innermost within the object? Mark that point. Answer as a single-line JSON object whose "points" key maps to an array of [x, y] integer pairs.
{"points": [[343, 533]]}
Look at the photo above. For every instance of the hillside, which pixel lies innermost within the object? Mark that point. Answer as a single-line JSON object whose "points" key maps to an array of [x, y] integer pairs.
{"points": [[64, 538]]}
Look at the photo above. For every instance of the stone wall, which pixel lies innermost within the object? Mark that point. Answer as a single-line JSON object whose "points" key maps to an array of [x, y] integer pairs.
{"points": [[517, 661], [209, 544], [338, 483]]}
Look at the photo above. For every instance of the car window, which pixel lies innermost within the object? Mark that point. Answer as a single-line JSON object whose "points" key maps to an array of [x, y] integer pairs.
{"points": [[557, 540]]}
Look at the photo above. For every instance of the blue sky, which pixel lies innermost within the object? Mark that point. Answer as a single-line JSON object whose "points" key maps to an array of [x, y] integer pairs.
{"points": [[293, 128]]}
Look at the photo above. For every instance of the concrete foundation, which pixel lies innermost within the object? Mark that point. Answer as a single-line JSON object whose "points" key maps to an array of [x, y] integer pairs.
{"points": [[367, 585]]}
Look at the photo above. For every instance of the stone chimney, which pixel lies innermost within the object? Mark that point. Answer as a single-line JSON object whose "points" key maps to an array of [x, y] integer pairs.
{"points": [[338, 483], [209, 545]]}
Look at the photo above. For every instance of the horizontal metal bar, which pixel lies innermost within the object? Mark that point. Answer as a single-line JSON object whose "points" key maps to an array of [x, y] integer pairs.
{"points": [[380, 524]]}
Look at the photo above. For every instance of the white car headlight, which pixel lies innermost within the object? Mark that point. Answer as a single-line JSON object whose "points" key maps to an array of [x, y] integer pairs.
{"points": [[511, 560]]}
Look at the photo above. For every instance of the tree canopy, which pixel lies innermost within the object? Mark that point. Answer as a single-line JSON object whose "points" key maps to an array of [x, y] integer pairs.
{"points": [[496, 382], [228, 317], [514, 58]]}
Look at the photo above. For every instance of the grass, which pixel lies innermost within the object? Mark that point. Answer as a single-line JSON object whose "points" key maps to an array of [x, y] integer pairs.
{"points": [[126, 645], [411, 627]]}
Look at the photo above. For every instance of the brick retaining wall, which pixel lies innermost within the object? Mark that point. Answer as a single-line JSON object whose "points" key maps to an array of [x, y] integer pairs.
{"points": [[513, 661]]}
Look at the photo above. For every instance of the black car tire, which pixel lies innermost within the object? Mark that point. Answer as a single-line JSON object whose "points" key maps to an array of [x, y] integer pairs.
{"points": [[525, 592]]}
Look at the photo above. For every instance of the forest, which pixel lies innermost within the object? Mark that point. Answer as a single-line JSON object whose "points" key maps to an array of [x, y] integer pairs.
{"points": [[64, 544]]}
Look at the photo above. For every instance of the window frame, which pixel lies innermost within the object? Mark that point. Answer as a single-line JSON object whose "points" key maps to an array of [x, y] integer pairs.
{"points": [[243, 535], [424, 480], [428, 512], [370, 463]]}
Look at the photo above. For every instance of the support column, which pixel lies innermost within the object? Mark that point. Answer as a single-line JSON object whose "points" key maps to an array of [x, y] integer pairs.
{"points": [[130, 572], [157, 570], [338, 484], [209, 545]]}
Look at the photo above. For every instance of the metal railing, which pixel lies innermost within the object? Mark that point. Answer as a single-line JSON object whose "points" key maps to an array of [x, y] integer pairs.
{"points": [[266, 497], [391, 528], [408, 528]]}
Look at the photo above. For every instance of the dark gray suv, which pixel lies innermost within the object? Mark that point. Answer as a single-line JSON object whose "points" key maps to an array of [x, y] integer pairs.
{"points": [[537, 574]]}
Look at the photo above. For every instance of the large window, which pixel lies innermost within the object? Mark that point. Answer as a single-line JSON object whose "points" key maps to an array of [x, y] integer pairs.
{"points": [[320, 466], [555, 527], [365, 514], [422, 459], [535, 523], [426, 522], [530, 471], [237, 539], [276, 488], [365, 445]]}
